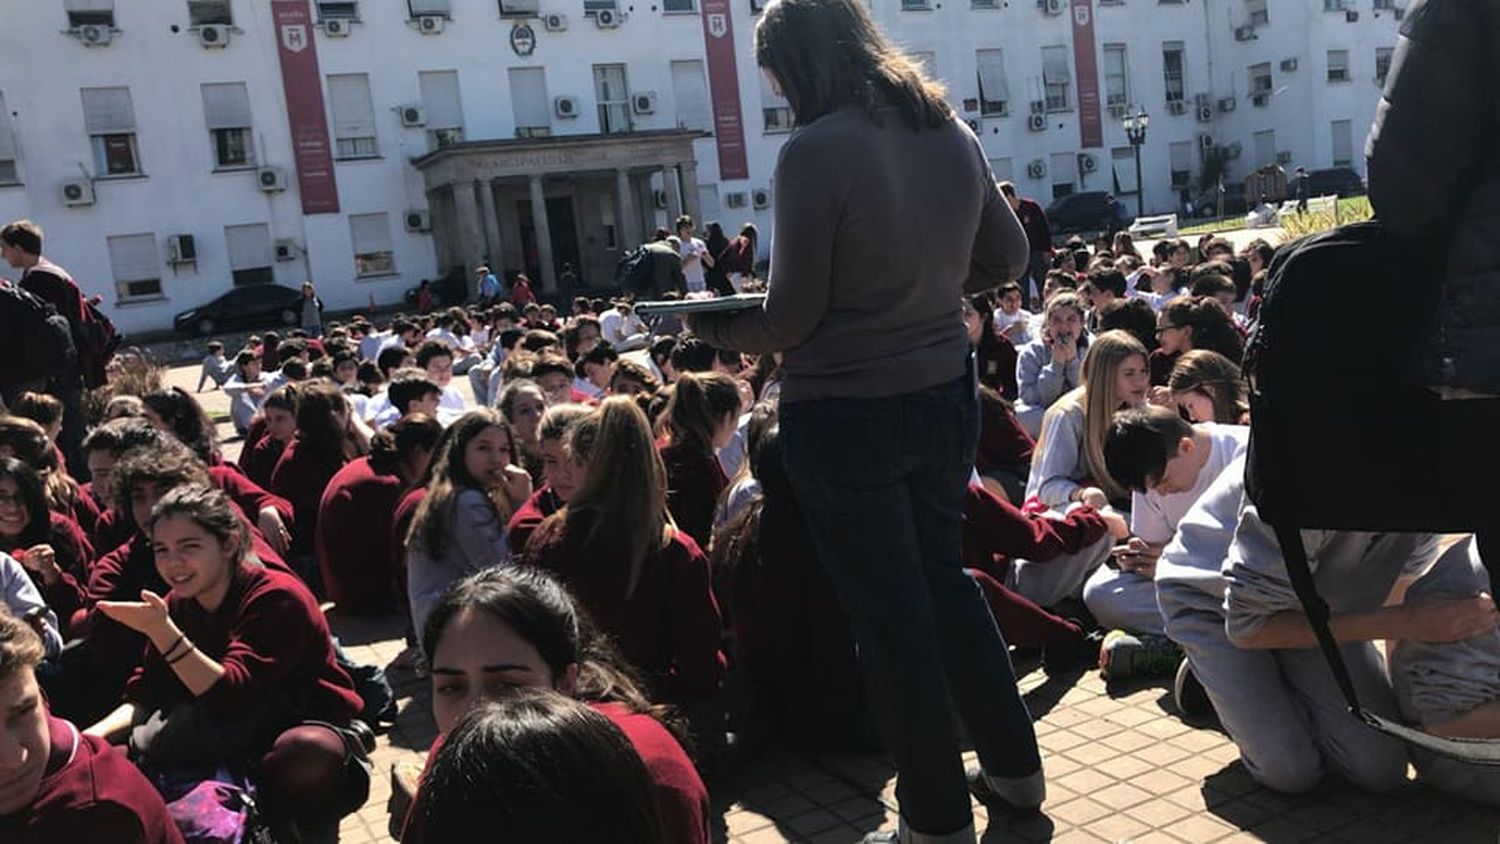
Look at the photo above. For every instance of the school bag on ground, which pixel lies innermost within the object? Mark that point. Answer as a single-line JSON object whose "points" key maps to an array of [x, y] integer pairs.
{"points": [[1345, 435], [38, 341]]}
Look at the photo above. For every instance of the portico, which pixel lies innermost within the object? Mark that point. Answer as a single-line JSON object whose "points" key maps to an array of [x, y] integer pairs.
{"points": [[536, 204]]}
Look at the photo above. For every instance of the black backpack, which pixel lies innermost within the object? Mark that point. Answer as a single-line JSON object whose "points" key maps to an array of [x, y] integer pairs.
{"points": [[1344, 435], [634, 271], [38, 340]]}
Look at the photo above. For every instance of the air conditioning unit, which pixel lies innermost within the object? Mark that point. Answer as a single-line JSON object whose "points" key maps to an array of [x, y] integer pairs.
{"points": [[270, 179], [430, 24], [181, 249], [1087, 162], [643, 102], [213, 35], [1205, 114], [1233, 151], [1036, 122], [761, 198], [565, 106], [659, 198], [1351, 16], [1177, 107], [1289, 65], [1284, 157], [286, 250], [1038, 106], [608, 18], [1244, 33], [78, 192], [94, 35], [736, 199], [555, 22], [336, 27], [1206, 141], [1204, 99], [1118, 112], [1260, 100], [413, 115], [1037, 169], [418, 220], [1226, 105]]}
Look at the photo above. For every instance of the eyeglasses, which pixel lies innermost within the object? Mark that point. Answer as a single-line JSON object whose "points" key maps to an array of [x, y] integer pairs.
{"points": [[1165, 328]]}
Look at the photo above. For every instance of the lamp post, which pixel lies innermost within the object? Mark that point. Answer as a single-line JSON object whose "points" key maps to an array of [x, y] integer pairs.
{"points": [[1135, 132]]}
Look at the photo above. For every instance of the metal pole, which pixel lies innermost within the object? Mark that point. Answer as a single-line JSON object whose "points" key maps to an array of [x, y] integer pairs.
{"points": [[1140, 189]]}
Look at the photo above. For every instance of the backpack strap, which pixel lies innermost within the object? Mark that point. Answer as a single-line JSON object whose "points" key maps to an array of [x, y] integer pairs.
{"points": [[1476, 751]]}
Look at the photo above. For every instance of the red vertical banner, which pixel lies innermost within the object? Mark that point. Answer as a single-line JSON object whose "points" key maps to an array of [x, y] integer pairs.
{"points": [[292, 23], [724, 90], [1085, 60]]}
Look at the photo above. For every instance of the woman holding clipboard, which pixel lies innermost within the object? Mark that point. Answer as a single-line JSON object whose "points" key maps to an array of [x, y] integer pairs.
{"points": [[886, 215]]}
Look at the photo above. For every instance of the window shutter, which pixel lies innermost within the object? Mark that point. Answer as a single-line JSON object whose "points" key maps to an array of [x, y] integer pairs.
{"points": [[1055, 64], [133, 257], [992, 85], [528, 96], [370, 233], [353, 111], [690, 90], [107, 111], [226, 105], [440, 98], [249, 246]]}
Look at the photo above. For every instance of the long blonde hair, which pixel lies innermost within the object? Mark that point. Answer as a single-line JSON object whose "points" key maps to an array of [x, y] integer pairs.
{"points": [[1101, 366], [624, 493]]}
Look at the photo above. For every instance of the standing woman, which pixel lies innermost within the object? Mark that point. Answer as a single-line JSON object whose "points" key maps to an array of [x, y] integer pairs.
{"points": [[312, 310], [878, 413]]}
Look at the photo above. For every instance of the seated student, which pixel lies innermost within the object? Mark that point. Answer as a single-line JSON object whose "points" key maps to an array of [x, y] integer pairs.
{"points": [[61, 785], [410, 391], [246, 388], [557, 470], [327, 437], [50, 547], [452, 328], [1449, 684], [1108, 285], [522, 403], [622, 328], [1192, 322], [20, 597], [700, 418], [1012, 321], [642, 580], [355, 562], [1227, 601], [523, 619], [581, 336], [1131, 315], [176, 412], [1207, 387], [215, 367], [554, 374], [1166, 463], [593, 370], [995, 357], [459, 526], [239, 672], [436, 358], [1052, 364], [630, 378], [280, 424], [1003, 458], [27, 441], [1057, 281], [43, 409]]}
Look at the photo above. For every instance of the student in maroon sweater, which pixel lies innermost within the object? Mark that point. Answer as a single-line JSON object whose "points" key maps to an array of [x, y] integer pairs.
{"points": [[57, 785], [1003, 459], [641, 579], [239, 670], [359, 573], [327, 437], [27, 441], [504, 628], [557, 469], [280, 419], [995, 355], [700, 418]]}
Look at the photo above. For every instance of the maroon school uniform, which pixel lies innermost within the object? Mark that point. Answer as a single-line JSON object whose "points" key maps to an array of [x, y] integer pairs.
{"points": [[300, 477], [681, 799], [995, 528], [269, 636], [1161, 365], [1003, 443], [114, 649], [90, 792], [406, 510], [259, 460], [74, 556], [542, 503], [249, 495], [256, 430], [996, 359], [359, 573], [86, 510], [695, 481], [669, 628]]}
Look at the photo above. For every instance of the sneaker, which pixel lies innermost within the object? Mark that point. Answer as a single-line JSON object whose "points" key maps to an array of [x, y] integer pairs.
{"points": [[1129, 655], [1079, 653], [1019, 794], [1189, 695]]}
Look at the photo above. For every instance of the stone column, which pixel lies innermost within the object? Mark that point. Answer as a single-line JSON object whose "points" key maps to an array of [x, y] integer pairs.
{"points": [[689, 170], [492, 241], [543, 235], [669, 187], [467, 223], [628, 231]]}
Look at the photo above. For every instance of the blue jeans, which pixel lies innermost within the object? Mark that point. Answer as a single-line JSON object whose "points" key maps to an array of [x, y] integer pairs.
{"points": [[881, 483]]}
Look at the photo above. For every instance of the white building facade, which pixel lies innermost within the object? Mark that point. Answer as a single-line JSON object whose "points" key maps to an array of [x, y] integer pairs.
{"points": [[173, 149]]}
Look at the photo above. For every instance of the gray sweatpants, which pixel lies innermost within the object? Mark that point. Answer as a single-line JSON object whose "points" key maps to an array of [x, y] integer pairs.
{"points": [[1046, 583], [1124, 600]]}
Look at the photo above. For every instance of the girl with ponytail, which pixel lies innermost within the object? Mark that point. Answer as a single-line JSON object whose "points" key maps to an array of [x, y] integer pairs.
{"points": [[699, 419]]}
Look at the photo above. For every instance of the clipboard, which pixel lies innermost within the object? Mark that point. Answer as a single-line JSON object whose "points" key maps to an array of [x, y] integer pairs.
{"points": [[720, 304]]}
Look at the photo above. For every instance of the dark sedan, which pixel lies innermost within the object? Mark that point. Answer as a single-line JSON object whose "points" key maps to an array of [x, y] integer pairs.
{"points": [[1088, 213], [255, 306]]}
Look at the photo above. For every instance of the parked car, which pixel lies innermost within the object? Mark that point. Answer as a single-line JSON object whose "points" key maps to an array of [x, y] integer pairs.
{"points": [[1088, 213], [1206, 202], [254, 306], [1340, 180]]}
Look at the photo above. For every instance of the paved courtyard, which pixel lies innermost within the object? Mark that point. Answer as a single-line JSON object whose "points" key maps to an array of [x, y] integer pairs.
{"points": [[1121, 766]]}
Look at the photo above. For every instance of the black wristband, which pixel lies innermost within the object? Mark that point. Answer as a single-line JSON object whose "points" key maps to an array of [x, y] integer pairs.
{"points": [[166, 654], [176, 659]]}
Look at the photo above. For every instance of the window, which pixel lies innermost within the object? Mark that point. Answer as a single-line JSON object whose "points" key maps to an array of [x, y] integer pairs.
{"points": [[1265, 147], [371, 234], [690, 92], [1335, 5], [1383, 63], [1122, 167], [528, 102], [613, 98], [1260, 82], [1116, 81], [250, 255], [1259, 14], [110, 120], [776, 112], [1056, 77], [1003, 168], [445, 115], [591, 7], [134, 264], [353, 116], [1064, 170], [1343, 143], [418, 8], [1171, 71], [338, 11], [90, 12], [915, 6], [1338, 65], [994, 93], [1181, 155], [206, 12], [678, 6], [984, 4], [8, 173], [226, 107]]}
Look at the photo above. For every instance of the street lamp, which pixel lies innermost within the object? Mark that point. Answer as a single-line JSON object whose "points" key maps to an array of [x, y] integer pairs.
{"points": [[1135, 132]]}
